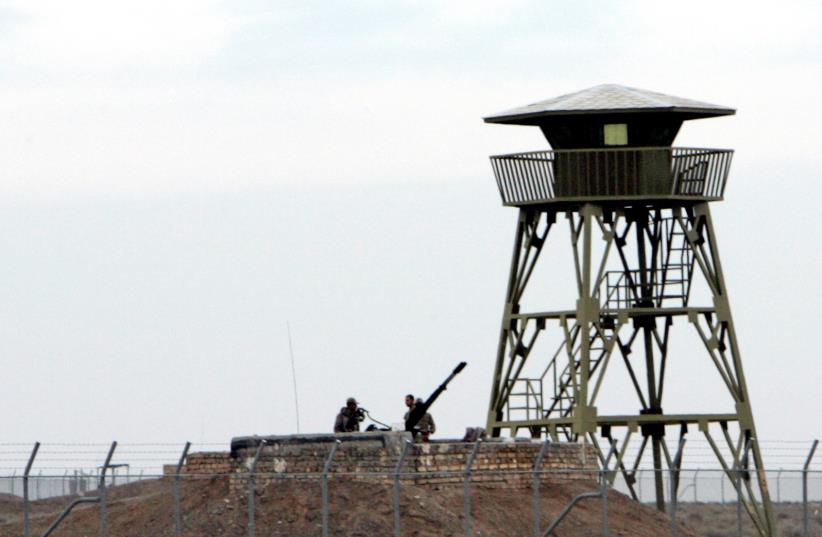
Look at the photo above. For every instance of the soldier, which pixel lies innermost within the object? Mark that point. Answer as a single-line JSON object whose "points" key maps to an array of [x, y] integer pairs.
{"points": [[425, 427], [409, 402], [349, 418]]}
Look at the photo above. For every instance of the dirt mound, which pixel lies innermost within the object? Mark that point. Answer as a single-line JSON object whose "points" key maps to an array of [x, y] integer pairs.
{"points": [[9, 505], [357, 509], [9, 500]]}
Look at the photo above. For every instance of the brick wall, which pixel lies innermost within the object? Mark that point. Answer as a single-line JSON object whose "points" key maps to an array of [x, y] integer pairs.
{"points": [[501, 463]]}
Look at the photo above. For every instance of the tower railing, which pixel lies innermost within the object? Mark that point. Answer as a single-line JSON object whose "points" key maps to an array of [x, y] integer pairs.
{"points": [[572, 174]]}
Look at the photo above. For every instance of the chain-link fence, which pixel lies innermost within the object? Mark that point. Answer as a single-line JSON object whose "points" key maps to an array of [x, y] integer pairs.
{"points": [[145, 490]]}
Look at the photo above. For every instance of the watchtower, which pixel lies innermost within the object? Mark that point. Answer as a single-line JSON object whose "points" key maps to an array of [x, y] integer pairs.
{"points": [[641, 239]]}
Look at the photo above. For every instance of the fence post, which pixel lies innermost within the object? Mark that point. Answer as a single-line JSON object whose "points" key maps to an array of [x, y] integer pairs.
{"points": [[252, 490], [26, 529], [466, 489], [102, 487], [673, 481], [738, 467], [778, 486], [606, 470], [639, 485], [397, 472], [326, 468], [603, 493], [696, 476], [178, 518], [805, 488], [722, 486], [535, 486]]}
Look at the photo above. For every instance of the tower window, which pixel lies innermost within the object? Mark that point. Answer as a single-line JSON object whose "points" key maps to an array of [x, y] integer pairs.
{"points": [[615, 134]]}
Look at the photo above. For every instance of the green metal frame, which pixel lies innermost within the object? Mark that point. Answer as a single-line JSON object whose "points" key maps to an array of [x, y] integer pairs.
{"points": [[672, 242]]}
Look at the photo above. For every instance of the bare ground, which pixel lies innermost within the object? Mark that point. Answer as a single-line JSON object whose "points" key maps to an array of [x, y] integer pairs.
{"points": [[719, 520], [358, 509], [362, 509]]}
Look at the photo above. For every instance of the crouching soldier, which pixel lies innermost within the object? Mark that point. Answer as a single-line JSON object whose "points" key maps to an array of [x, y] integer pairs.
{"points": [[349, 418]]}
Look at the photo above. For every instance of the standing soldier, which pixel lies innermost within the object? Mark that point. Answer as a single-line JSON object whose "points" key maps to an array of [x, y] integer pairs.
{"points": [[423, 428], [409, 402]]}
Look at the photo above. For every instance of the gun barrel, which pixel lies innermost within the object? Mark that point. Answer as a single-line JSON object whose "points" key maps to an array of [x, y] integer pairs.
{"points": [[419, 410]]}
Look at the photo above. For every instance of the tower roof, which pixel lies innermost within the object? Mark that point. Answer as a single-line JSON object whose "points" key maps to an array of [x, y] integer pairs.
{"points": [[608, 99]]}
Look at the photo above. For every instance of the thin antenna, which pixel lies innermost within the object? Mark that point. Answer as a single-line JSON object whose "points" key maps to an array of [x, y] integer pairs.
{"points": [[293, 376]]}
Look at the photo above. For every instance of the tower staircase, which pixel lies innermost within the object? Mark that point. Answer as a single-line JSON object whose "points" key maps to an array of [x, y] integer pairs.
{"points": [[552, 394], [668, 284]]}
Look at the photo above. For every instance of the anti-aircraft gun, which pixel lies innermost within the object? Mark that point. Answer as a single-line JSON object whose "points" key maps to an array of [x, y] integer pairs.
{"points": [[418, 411]]}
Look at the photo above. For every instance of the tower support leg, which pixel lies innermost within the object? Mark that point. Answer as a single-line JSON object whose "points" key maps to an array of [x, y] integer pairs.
{"points": [[658, 248], [724, 341]]}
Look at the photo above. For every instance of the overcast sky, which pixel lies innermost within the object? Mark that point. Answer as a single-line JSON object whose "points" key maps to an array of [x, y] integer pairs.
{"points": [[182, 178]]}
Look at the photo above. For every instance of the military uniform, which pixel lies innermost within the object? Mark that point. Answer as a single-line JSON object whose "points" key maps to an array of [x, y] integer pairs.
{"points": [[347, 421], [426, 426]]}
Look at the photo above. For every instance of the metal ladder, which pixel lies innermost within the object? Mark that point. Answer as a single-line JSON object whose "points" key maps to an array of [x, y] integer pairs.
{"points": [[562, 398], [670, 282]]}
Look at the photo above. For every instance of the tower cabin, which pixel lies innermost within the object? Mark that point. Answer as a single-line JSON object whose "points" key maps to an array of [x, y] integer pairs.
{"points": [[611, 142]]}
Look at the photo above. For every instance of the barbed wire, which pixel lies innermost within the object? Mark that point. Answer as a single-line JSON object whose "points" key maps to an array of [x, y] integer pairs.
{"points": [[785, 454]]}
